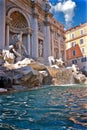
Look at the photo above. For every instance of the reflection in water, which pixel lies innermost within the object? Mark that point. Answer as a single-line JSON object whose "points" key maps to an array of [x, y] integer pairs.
{"points": [[47, 108], [76, 121], [78, 106]]}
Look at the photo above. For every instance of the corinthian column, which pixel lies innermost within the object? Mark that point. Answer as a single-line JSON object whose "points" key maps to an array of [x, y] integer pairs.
{"points": [[52, 41], [8, 20], [59, 38], [47, 45], [7, 36], [2, 24], [28, 46], [35, 37]]}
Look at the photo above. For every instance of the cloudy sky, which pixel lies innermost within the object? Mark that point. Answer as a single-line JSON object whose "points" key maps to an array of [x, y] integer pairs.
{"points": [[69, 12]]}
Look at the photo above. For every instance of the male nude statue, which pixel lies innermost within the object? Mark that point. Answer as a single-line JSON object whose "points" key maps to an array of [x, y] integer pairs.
{"points": [[18, 48]]}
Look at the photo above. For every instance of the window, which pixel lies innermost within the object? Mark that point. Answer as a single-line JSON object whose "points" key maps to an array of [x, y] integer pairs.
{"points": [[73, 36], [73, 44], [74, 52], [74, 61], [83, 50], [81, 41], [84, 59], [81, 32]]}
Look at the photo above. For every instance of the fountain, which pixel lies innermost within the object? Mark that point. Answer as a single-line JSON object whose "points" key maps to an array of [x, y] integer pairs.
{"points": [[24, 71]]}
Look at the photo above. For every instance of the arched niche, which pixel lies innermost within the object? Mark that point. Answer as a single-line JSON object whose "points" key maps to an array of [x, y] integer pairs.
{"points": [[19, 21]]}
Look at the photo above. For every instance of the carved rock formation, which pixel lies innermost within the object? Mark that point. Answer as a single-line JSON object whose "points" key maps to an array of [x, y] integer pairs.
{"points": [[31, 73]]}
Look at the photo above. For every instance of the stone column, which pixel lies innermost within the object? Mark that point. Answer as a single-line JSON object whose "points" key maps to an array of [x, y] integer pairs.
{"points": [[64, 49], [35, 37], [29, 32], [52, 38], [28, 45], [2, 23], [59, 42], [31, 41], [8, 20], [7, 36], [47, 45]]}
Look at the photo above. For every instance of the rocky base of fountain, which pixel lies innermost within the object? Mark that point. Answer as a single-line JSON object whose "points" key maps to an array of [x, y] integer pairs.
{"points": [[29, 73], [5, 81]]}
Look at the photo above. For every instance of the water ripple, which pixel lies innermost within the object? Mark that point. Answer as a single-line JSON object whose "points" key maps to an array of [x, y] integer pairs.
{"points": [[51, 108]]}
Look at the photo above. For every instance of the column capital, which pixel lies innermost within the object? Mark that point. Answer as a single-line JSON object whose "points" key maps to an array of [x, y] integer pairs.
{"points": [[46, 23], [29, 30], [35, 15], [34, 9]]}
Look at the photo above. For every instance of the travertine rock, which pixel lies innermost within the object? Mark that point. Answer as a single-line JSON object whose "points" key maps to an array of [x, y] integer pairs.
{"points": [[79, 78], [31, 73], [27, 76]]}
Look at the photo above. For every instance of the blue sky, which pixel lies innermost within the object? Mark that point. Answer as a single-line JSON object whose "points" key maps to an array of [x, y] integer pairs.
{"points": [[70, 13]]}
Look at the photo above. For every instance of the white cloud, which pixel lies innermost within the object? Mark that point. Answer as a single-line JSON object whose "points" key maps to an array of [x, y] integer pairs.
{"points": [[66, 7]]}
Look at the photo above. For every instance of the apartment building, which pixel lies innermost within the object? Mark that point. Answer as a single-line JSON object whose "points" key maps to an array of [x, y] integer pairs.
{"points": [[76, 46]]}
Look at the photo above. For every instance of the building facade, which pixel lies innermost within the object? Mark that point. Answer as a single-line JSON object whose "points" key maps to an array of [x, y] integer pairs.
{"points": [[76, 46], [43, 36]]}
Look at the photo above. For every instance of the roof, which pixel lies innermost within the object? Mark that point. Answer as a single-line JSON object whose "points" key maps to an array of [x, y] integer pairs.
{"points": [[76, 27]]}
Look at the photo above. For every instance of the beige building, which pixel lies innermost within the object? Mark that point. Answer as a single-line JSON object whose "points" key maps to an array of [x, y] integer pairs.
{"points": [[43, 36], [76, 46]]}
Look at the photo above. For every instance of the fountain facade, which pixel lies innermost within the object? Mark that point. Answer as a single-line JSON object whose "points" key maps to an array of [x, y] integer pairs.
{"points": [[42, 37]]}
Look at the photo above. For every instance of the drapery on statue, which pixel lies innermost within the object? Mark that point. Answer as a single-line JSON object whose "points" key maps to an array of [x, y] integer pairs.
{"points": [[18, 48]]}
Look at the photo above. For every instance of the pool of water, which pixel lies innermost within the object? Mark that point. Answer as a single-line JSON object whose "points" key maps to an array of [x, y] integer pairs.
{"points": [[47, 108]]}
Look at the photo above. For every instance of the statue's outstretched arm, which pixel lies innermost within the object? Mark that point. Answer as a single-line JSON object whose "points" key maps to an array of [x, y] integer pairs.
{"points": [[23, 47], [16, 53]]}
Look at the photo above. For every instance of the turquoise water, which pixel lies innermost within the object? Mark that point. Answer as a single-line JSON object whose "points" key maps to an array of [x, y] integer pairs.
{"points": [[47, 108]]}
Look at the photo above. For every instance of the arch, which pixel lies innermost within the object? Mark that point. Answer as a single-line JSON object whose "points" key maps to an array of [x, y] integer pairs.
{"points": [[19, 22], [12, 10]]}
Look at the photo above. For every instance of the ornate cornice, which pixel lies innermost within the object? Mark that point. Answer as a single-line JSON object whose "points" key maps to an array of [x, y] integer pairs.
{"points": [[24, 30]]}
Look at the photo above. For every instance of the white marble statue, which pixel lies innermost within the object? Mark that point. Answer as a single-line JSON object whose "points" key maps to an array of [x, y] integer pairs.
{"points": [[51, 60], [8, 57], [59, 62], [18, 48]]}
